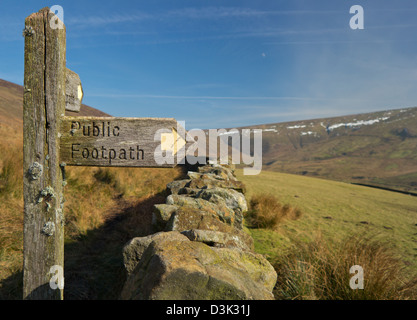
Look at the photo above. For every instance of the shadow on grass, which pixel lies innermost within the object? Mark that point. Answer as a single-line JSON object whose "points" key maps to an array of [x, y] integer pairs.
{"points": [[93, 266], [11, 288], [94, 263]]}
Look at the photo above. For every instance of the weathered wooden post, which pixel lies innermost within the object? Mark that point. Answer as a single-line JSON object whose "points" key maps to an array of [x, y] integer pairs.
{"points": [[43, 106]]}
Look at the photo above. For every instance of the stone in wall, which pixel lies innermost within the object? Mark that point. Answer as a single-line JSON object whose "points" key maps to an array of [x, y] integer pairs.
{"points": [[174, 268]]}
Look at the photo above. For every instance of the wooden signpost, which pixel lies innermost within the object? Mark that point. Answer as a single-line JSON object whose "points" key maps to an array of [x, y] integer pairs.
{"points": [[116, 142], [53, 141]]}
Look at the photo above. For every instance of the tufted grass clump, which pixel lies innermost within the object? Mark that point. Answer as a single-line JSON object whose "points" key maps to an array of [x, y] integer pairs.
{"points": [[320, 270], [267, 212]]}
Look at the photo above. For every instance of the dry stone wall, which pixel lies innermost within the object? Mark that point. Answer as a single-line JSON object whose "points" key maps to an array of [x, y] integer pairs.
{"points": [[200, 249]]}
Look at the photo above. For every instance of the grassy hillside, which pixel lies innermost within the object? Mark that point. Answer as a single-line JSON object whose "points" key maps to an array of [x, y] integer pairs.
{"points": [[11, 103], [11, 106], [378, 148], [336, 211]]}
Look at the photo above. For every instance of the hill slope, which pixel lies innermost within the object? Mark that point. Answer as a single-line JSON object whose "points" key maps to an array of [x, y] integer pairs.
{"points": [[378, 148], [11, 105]]}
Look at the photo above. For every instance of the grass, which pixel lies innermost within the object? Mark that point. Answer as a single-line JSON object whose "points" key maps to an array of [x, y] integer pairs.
{"points": [[385, 225], [92, 194], [322, 270], [11, 208], [267, 212], [11, 173]]}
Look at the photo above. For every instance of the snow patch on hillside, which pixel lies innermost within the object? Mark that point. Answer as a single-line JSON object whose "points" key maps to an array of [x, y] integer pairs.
{"points": [[357, 123], [296, 127], [307, 133]]}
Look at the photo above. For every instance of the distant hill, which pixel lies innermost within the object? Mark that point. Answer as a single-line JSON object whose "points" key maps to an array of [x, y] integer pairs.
{"points": [[11, 105], [378, 148]]}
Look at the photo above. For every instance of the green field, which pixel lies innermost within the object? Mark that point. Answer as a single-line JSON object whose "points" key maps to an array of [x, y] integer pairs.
{"points": [[336, 211]]}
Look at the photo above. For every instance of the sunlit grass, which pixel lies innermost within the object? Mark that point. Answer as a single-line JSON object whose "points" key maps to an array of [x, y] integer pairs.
{"points": [[266, 211], [336, 210], [321, 270]]}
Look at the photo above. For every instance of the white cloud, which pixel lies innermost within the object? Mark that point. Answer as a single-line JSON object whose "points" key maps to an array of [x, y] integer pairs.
{"points": [[96, 21]]}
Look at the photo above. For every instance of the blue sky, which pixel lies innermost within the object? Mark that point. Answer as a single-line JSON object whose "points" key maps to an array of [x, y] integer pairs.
{"points": [[223, 64]]}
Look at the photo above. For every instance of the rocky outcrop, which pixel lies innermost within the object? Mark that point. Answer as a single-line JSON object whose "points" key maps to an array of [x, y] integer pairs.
{"points": [[200, 249]]}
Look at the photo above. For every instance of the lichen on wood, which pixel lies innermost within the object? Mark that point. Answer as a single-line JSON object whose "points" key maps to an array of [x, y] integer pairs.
{"points": [[35, 170]]}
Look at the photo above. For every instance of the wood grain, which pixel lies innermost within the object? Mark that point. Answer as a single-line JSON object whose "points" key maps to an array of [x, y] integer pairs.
{"points": [[43, 105]]}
